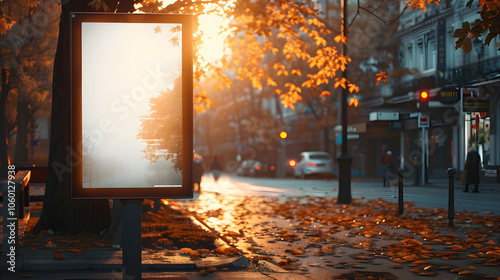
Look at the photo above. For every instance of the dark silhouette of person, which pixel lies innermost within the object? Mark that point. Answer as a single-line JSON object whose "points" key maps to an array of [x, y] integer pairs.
{"points": [[216, 168], [472, 165], [197, 172], [386, 161]]}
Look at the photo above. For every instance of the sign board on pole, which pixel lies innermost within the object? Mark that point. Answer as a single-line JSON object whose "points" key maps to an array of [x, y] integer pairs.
{"points": [[384, 116], [423, 121], [132, 93], [449, 95]]}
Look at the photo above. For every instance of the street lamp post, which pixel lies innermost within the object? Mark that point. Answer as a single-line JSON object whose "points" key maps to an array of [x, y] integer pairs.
{"points": [[344, 160], [282, 171]]}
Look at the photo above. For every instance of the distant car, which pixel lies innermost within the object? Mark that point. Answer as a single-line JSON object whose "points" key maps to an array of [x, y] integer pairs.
{"points": [[246, 168], [313, 163], [264, 169], [254, 168]]}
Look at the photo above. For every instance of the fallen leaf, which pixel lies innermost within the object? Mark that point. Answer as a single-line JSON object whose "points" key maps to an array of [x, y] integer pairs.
{"points": [[58, 256], [396, 266], [255, 259], [296, 252]]}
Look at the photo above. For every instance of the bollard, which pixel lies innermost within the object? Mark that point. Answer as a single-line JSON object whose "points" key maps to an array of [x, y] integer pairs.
{"points": [[400, 191], [451, 196]]}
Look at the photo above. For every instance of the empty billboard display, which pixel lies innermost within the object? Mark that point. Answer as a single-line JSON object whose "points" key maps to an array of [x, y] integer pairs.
{"points": [[132, 90]]}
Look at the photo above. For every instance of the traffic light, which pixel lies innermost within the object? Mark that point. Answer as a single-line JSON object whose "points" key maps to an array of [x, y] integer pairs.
{"points": [[423, 101]]}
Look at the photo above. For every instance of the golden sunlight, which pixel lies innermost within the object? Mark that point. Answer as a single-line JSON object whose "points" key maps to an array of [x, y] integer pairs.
{"points": [[213, 30]]}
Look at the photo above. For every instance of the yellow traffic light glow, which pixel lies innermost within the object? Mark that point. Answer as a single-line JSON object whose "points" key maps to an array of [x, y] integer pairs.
{"points": [[283, 134]]}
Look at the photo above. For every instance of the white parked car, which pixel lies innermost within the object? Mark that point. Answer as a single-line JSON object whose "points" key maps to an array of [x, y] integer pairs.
{"points": [[314, 163]]}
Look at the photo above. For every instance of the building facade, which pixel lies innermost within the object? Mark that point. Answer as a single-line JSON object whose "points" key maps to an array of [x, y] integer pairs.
{"points": [[463, 88]]}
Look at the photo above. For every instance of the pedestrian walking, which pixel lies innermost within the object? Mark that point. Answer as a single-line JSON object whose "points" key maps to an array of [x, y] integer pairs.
{"points": [[197, 172], [216, 168], [472, 165], [386, 161]]}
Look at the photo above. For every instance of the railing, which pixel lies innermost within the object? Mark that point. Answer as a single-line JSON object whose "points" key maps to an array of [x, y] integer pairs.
{"points": [[473, 71]]}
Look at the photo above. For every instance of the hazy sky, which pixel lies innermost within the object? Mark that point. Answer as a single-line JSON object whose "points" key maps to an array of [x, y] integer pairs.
{"points": [[123, 66]]}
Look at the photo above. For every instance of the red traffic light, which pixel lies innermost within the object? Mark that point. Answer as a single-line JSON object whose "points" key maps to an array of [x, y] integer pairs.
{"points": [[424, 95]]}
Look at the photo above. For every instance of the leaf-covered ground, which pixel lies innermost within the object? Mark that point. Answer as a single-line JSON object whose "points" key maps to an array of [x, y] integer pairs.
{"points": [[166, 229], [307, 235], [308, 232]]}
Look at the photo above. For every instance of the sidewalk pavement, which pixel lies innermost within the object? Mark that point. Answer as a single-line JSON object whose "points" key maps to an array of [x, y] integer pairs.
{"points": [[43, 261], [106, 263]]}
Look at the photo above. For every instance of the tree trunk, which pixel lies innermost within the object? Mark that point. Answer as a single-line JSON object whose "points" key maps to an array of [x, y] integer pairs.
{"points": [[61, 213], [21, 154], [4, 138]]}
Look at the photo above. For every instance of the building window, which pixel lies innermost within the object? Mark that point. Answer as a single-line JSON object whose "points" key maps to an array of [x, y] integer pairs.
{"points": [[420, 56], [432, 55], [409, 57]]}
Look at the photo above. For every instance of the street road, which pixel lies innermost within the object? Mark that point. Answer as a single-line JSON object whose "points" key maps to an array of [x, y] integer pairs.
{"points": [[433, 195]]}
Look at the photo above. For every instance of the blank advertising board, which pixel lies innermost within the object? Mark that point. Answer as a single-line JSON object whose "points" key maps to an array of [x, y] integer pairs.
{"points": [[132, 100]]}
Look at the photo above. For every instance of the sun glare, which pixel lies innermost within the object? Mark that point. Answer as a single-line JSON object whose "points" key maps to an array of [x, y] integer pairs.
{"points": [[213, 30]]}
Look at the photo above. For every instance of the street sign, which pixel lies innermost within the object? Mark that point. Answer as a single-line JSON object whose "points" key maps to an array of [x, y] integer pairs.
{"points": [[423, 121], [476, 104], [449, 95], [132, 89], [384, 116]]}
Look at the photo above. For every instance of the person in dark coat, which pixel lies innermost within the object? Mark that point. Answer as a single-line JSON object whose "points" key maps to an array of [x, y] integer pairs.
{"points": [[197, 172], [472, 165]]}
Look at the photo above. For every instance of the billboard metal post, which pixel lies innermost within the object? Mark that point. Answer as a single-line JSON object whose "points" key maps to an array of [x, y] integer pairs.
{"points": [[132, 243]]}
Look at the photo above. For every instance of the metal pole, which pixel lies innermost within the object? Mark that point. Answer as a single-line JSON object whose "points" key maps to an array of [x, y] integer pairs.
{"points": [[477, 131], [451, 196], [400, 192], [132, 244], [345, 160], [422, 161], [283, 161]]}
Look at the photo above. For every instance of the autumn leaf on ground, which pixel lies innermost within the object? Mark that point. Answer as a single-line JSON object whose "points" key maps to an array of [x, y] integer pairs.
{"points": [[58, 256], [296, 252]]}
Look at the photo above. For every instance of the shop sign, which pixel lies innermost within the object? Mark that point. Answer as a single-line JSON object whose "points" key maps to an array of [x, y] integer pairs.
{"points": [[356, 128], [476, 104], [449, 95]]}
